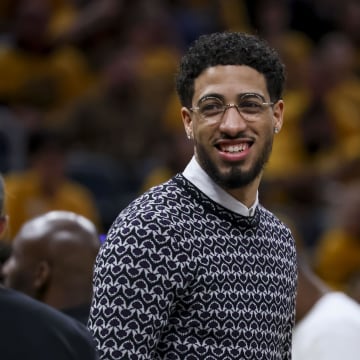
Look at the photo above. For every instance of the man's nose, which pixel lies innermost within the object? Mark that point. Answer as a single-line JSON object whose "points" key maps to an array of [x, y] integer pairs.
{"points": [[232, 121]]}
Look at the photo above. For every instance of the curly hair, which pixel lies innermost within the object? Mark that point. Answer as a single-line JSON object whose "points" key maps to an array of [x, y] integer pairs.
{"points": [[229, 48]]}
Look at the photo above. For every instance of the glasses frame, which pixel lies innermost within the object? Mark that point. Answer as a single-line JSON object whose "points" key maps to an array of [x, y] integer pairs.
{"points": [[264, 103]]}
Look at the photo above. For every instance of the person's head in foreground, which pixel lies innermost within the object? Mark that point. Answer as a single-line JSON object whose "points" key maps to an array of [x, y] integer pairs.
{"points": [[52, 259], [30, 329]]}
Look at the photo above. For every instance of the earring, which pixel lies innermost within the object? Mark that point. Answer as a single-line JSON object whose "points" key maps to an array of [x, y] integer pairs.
{"points": [[276, 130]]}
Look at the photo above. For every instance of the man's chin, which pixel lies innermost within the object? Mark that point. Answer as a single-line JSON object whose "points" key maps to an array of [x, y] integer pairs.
{"points": [[233, 179]]}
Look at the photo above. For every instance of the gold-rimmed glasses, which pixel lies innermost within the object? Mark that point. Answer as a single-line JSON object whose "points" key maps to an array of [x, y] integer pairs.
{"points": [[250, 106]]}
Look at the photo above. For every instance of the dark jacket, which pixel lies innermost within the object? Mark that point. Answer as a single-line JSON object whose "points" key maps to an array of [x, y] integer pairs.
{"points": [[30, 330]]}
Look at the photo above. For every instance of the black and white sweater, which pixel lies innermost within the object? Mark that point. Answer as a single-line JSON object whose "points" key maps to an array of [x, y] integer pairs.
{"points": [[182, 278]]}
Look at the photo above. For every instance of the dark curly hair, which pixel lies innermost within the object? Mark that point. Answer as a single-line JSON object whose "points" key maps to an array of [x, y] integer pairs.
{"points": [[229, 48]]}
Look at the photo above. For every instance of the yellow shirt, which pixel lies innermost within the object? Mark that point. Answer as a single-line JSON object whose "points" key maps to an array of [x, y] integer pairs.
{"points": [[45, 81], [337, 258], [25, 199]]}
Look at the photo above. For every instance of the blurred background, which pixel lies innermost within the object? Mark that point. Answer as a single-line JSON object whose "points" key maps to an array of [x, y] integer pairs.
{"points": [[89, 117]]}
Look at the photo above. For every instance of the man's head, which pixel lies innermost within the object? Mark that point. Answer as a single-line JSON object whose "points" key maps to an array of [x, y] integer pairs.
{"points": [[5, 249], [52, 259], [229, 48], [222, 69]]}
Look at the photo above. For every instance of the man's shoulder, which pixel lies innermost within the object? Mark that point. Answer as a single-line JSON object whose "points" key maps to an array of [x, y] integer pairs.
{"points": [[335, 316], [41, 327], [338, 306], [164, 194], [159, 205], [17, 305]]}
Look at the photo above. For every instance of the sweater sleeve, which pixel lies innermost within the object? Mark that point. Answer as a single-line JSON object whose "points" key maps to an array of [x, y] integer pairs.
{"points": [[135, 283]]}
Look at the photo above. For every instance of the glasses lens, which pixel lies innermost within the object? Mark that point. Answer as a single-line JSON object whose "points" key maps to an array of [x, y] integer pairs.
{"points": [[250, 107], [211, 108]]}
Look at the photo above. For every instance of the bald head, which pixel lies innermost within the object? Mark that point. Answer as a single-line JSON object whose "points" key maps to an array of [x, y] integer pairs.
{"points": [[57, 227], [53, 257]]}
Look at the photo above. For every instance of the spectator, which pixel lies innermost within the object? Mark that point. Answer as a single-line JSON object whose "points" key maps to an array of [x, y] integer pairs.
{"points": [[336, 257], [322, 137], [32, 330], [52, 260], [44, 185], [36, 73], [327, 322]]}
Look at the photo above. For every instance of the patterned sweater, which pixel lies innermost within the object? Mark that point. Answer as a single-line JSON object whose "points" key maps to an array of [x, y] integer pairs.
{"points": [[182, 278]]}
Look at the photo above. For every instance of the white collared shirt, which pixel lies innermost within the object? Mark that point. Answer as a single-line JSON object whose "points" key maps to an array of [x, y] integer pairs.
{"points": [[196, 175]]}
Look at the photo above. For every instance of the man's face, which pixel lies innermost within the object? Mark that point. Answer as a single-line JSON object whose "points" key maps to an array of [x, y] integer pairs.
{"points": [[18, 270], [232, 149]]}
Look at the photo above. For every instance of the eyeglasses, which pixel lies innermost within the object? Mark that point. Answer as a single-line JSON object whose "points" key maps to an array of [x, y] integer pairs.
{"points": [[250, 106]]}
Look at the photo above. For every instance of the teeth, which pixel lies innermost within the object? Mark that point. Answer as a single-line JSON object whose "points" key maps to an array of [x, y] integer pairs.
{"points": [[235, 148]]}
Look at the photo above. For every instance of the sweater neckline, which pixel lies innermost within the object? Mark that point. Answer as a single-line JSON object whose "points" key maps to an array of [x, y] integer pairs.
{"points": [[215, 208]]}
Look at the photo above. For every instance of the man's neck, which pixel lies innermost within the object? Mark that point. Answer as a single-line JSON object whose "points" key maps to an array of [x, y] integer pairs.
{"points": [[242, 201]]}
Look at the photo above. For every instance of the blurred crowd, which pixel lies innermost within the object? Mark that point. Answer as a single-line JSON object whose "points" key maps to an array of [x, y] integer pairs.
{"points": [[89, 117]]}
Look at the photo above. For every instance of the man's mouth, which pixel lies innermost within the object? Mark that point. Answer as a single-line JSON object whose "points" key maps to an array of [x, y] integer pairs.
{"points": [[234, 148]]}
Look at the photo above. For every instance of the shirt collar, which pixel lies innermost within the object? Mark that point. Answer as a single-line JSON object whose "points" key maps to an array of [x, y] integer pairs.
{"points": [[196, 175]]}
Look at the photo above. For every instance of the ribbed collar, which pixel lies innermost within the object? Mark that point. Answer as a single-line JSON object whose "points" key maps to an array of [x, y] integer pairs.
{"points": [[196, 175]]}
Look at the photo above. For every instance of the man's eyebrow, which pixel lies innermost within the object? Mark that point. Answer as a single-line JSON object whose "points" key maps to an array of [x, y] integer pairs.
{"points": [[211, 96], [251, 94]]}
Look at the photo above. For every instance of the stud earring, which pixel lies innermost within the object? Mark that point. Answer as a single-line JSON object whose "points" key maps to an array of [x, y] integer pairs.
{"points": [[276, 130]]}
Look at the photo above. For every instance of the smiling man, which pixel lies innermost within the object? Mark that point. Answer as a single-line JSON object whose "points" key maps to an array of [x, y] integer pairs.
{"points": [[196, 268]]}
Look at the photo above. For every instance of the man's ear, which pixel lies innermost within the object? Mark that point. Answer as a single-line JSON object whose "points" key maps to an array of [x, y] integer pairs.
{"points": [[42, 274], [187, 121], [278, 116]]}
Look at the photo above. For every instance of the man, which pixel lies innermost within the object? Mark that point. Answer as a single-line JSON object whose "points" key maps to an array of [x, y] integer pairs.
{"points": [[196, 268], [32, 330], [52, 260], [327, 321]]}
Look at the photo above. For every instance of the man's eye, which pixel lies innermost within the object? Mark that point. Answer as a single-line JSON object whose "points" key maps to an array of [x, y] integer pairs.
{"points": [[250, 106], [211, 108]]}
